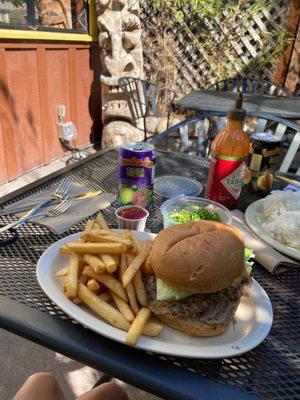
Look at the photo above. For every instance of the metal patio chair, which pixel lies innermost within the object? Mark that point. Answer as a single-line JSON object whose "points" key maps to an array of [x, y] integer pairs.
{"points": [[251, 85], [204, 127], [146, 100]]}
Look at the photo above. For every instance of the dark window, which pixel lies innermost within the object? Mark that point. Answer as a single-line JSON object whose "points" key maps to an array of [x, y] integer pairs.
{"points": [[67, 15]]}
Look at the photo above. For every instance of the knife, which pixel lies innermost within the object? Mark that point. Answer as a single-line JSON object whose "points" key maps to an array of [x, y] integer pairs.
{"points": [[287, 180], [29, 207]]}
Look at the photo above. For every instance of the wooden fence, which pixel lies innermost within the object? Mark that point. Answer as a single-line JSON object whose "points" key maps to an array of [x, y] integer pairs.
{"points": [[35, 78], [249, 53]]}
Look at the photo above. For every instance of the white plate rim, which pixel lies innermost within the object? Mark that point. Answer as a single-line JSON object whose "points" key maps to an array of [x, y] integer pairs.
{"points": [[145, 343], [251, 215]]}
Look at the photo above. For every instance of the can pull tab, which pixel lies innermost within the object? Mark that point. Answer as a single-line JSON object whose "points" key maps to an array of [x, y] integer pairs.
{"points": [[137, 147]]}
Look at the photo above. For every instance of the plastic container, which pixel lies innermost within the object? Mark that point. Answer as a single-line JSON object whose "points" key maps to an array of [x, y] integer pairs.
{"points": [[134, 224], [180, 203], [176, 185]]}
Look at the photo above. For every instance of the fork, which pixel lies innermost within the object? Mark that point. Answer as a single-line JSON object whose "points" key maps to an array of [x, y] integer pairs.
{"points": [[59, 194], [61, 191], [58, 210]]}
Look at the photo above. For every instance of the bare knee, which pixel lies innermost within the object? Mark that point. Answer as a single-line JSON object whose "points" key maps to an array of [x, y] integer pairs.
{"points": [[115, 390], [40, 377], [45, 379]]}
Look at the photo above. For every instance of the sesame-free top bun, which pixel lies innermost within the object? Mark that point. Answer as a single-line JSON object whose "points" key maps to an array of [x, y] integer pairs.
{"points": [[201, 257]]}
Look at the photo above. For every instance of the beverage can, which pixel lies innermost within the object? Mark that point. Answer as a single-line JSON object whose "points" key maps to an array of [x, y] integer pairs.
{"points": [[264, 157], [136, 174]]}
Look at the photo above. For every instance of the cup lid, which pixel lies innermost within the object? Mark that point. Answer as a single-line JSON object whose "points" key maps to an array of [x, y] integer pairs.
{"points": [[175, 185]]}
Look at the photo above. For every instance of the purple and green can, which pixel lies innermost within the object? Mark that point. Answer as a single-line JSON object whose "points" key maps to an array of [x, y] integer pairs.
{"points": [[136, 174]]}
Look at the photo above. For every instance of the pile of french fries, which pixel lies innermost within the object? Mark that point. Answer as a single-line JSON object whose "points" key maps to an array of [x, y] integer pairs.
{"points": [[105, 272]]}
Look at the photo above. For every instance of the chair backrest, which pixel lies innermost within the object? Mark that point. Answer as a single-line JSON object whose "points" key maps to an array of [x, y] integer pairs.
{"points": [[145, 98], [202, 129], [251, 85]]}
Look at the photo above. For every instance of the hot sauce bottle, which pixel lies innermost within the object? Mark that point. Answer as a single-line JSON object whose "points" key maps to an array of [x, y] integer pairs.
{"points": [[230, 150]]}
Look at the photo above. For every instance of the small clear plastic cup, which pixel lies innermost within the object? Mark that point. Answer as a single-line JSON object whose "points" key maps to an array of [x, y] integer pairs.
{"points": [[189, 203], [134, 224]]}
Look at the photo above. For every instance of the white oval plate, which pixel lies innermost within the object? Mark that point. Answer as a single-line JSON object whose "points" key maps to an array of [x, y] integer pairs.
{"points": [[254, 219], [253, 318]]}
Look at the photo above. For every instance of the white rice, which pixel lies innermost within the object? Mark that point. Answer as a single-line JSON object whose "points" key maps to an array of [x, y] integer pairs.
{"points": [[281, 210]]}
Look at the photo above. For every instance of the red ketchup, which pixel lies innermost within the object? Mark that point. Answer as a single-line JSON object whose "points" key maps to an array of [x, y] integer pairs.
{"points": [[132, 213]]}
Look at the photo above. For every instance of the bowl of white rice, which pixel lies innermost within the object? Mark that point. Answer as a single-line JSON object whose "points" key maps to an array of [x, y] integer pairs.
{"points": [[281, 217]]}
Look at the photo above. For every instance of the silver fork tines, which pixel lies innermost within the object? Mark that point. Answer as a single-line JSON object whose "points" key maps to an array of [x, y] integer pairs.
{"points": [[62, 207], [59, 194], [62, 189]]}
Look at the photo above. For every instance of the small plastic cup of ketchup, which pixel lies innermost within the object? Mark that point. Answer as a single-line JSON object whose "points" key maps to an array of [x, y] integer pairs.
{"points": [[132, 217]]}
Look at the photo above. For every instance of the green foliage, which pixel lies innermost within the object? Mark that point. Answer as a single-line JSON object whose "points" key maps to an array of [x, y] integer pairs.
{"points": [[16, 17], [215, 27], [16, 3]]}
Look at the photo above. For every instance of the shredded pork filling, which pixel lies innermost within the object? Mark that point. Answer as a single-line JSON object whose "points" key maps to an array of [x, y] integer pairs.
{"points": [[209, 308]]}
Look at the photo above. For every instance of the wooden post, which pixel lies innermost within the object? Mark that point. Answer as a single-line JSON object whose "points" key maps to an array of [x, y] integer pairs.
{"points": [[293, 75], [8, 121], [284, 59], [47, 135]]}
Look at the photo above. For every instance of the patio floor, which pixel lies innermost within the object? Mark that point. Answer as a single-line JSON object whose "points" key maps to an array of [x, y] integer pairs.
{"points": [[21, 358], [39, 172]]}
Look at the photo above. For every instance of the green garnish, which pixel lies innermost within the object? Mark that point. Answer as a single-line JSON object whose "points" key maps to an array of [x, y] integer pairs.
{"points": [[165, 292], [188, 216], [248, 256]]}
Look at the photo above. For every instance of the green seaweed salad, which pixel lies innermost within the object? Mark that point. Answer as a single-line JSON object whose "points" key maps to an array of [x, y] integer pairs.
{"points": [[201, 213]]}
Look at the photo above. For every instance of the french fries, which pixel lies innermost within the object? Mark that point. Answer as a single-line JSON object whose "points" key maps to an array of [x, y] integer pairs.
{"points": [[138, 325], [96, 248], [129, 288], [137, 262], [96, 225], [147, 267], [138, 283], [105, 296], [83, 279], [101, 221], [64, 250], [109, 281], [105, 273], [102, 308], [136, 243], [153, 329], [95, 238], [89, 225], [123, 307], [72, 277], [109, 263], [95, 262], [62, 272], [139, 288], [93, 285], [77, 300]]}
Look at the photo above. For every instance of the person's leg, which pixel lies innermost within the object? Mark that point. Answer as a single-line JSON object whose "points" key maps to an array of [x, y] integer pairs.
{"points": [[40, 386], [106, 391]]}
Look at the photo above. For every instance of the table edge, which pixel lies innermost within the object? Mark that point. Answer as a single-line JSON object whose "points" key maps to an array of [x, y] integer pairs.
{"points": [[59, 335]]}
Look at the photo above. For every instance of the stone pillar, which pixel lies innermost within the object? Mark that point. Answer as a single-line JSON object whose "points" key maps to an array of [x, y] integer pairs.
{"points": [[121, 55]]}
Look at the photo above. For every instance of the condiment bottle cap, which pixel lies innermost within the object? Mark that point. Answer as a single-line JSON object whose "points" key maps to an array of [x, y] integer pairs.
{"points": [[237, 113]]}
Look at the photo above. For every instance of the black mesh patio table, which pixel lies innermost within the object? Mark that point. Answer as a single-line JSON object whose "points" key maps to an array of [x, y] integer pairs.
{"points": [[270, 371]]}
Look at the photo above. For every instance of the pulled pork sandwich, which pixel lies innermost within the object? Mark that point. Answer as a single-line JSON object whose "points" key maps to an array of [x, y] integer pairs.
{"points": [[199, 277]]}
